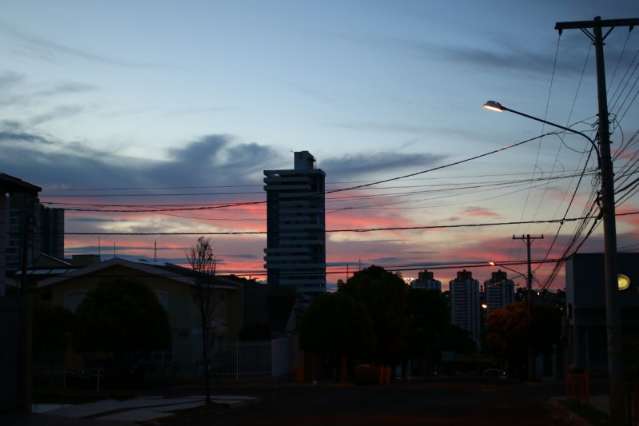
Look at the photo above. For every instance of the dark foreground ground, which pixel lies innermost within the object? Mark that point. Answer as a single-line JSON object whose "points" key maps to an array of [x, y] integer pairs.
{"points": [[460, 403]]}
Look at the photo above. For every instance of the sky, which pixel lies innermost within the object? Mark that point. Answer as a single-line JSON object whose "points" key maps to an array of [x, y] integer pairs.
{"points": [[186, 102]]}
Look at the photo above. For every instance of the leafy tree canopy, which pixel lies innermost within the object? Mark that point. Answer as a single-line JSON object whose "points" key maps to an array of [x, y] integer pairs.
{"points": [[384, 295], [121, 316], [508, 331], [429, 320], [337, 324]]}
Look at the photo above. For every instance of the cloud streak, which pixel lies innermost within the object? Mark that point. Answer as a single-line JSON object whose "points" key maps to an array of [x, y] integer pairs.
{"points": [[47, 49], [362, 164]]}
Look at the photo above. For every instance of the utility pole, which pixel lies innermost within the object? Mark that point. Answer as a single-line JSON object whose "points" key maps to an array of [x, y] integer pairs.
{"points": [[618, 397], [25, 355], [529, 296]]}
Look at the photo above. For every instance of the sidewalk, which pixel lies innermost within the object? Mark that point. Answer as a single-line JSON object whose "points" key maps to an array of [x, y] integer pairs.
{"points": [[110, 412]]}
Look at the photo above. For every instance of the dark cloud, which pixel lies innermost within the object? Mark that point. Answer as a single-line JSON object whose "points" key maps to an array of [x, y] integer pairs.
{"points": [[14, 93], [66, 89], [62, 111], [210, 160], [13, 135], [476, 211], [498, 52], [47, 49], [362, 164], [9, 79]]}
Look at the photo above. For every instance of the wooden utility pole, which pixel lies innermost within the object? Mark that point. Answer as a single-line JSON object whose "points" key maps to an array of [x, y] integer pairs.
{"points": [[594, 31], [529, 296]]}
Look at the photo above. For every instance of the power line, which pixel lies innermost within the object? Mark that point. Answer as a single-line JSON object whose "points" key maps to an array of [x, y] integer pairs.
{"points": [[543, 126], [362, 230], [366, 185]]}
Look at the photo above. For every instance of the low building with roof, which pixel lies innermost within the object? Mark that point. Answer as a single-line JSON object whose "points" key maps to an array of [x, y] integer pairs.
{"points": [[174, 287]]}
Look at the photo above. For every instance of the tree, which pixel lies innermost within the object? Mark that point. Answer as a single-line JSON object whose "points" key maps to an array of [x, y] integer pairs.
{"points": [[337, 324], [508, 333], [383, 294], [202, 260], [429, 320], [121, 317]]}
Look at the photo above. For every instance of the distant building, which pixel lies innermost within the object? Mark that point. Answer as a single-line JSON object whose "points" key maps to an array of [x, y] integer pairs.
{"points": [[585, 313], [10, 324], [26, 221], [18, 203], [295, 253], [464, 303], [52, 231], [499, 291], [426, 281]]}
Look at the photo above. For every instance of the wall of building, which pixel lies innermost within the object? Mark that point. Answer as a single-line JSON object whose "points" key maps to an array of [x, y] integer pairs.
{"points": [[585, 307]]}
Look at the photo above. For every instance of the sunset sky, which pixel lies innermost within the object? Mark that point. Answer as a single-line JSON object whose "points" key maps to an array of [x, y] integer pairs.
{"points": [[112, 104]]}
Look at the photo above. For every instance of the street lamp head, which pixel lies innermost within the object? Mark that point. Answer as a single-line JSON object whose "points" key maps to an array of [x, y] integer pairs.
{"points": [[493, 106], [623, 282]]}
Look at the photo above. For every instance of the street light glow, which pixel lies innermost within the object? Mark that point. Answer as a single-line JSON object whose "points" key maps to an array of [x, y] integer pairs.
{"points": [[493, 106], [623, 281], [491, 263]]}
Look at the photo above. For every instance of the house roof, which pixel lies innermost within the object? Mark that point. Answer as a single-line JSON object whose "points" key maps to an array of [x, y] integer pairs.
{"points": [[12, 184], [164, 272]]}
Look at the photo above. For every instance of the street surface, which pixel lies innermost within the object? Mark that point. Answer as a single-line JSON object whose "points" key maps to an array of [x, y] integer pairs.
{"points": [[456, 403]]}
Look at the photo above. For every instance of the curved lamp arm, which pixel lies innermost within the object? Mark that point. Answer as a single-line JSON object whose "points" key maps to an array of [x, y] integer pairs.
{"points": [[496, 106]]}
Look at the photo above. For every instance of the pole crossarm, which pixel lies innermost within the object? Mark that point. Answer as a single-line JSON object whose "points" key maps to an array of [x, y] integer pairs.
{"points": [[601, 23]]}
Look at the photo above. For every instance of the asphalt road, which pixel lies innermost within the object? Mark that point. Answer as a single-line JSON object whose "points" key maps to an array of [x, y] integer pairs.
{"points": [[460, 403]]}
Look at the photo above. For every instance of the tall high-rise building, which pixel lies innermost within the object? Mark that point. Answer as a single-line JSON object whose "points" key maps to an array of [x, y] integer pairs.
{"points": [[499, 290], [425, 280], [464, 303], [295, 253]]}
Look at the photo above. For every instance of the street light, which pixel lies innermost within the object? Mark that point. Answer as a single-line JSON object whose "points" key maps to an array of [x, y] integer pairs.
{"points": [[516, 272], [623, 282], [607, 203], [497, 107]]}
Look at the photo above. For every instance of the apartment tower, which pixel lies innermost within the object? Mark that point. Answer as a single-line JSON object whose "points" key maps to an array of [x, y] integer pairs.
{"points": [[295, 253]]}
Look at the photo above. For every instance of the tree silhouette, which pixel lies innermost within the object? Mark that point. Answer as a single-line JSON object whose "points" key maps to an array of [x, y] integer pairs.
{"points": [[121, 317], [338, 325], [384, 295], [202, 260]]}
